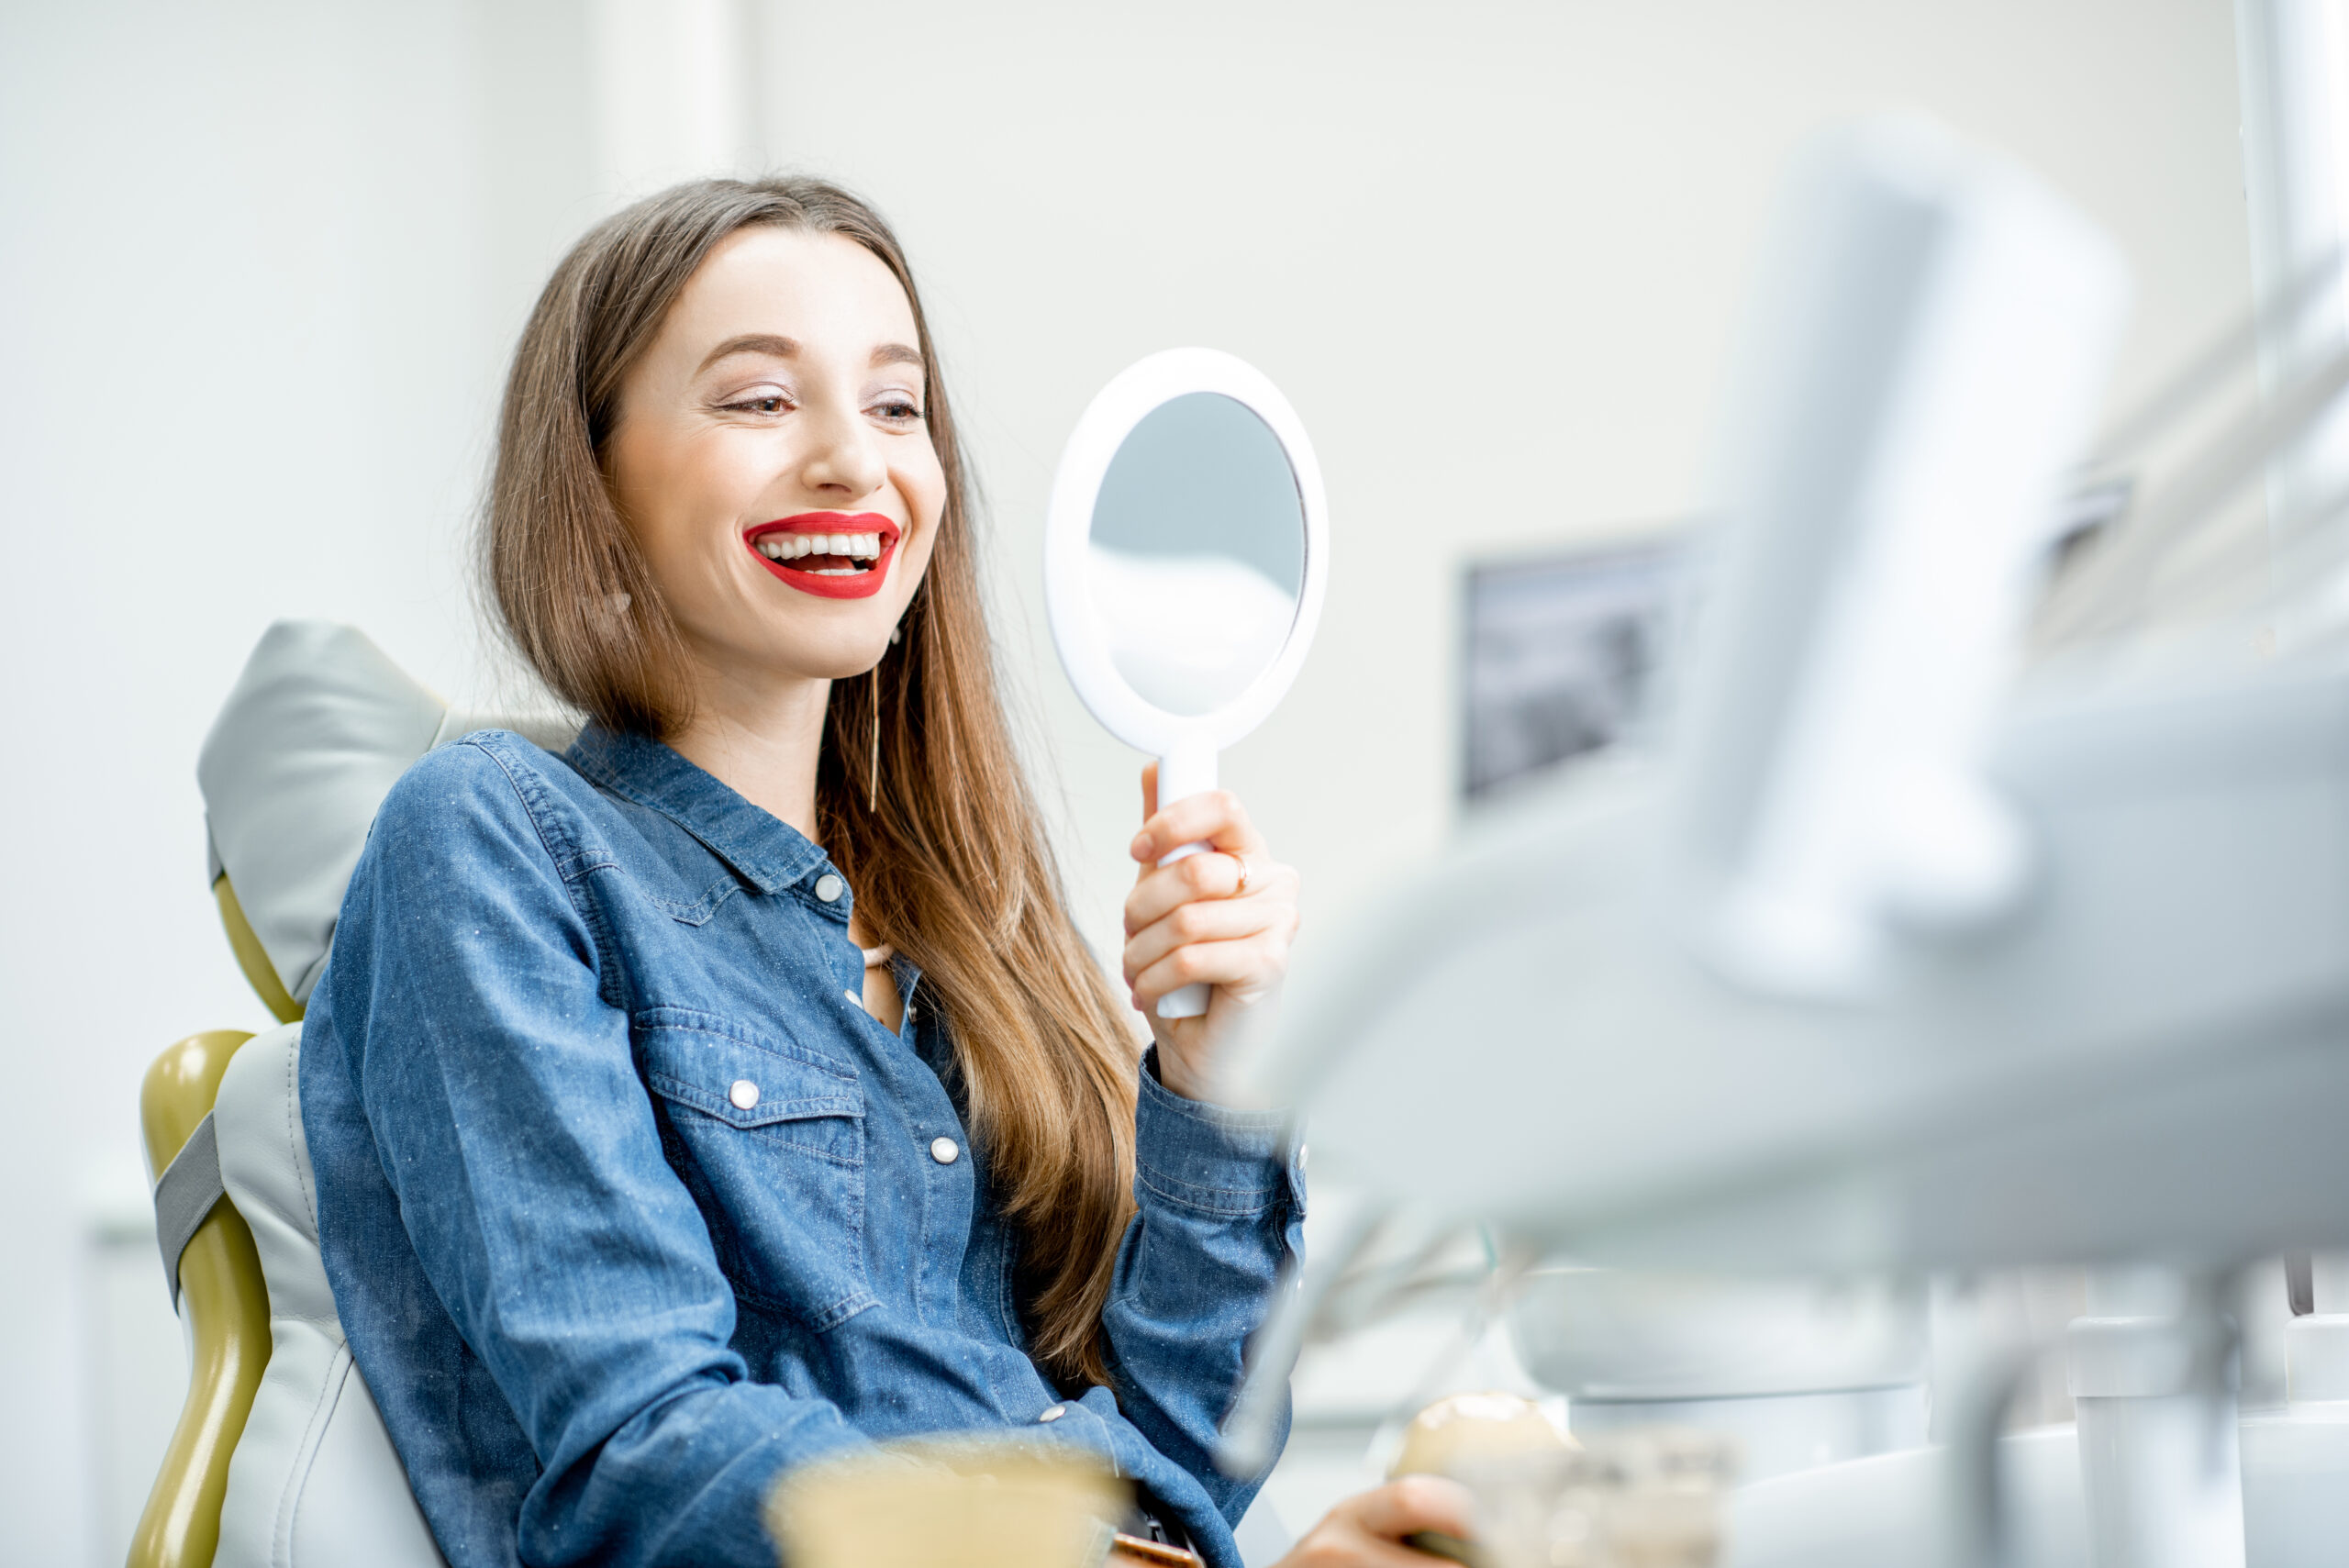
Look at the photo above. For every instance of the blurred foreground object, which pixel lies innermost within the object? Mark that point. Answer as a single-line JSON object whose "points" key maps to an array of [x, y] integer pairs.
{"points": [[2296, 1459], [1800, 1370], [1930, 346], [1646, 1499], [1464, 1428], [1733, 929], [1634, 1499], [1458, 1433], [1893, 956], [2290, 57], [950, 1503]]}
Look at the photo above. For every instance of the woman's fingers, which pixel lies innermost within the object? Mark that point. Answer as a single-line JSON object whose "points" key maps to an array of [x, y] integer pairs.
{"points": [[1413, 1504], [1224, 918], [1253, 963], [1337, 1546], [1210, 877], [1213, 817], [1208, 920], [1367, 1529]]}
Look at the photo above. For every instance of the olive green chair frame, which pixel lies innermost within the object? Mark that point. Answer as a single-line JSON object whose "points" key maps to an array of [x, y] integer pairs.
{"points": [[222, 1292]]}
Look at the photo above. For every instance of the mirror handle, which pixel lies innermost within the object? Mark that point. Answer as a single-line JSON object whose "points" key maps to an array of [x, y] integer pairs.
{"points": [[1185, 770]]}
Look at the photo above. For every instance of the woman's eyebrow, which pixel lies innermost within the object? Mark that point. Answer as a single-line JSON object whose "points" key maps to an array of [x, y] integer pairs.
{"points": [[895, 354], [752, 343]]}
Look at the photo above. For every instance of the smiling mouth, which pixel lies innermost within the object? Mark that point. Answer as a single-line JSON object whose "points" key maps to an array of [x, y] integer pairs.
{"points": [[826, 555], [833, 555]]}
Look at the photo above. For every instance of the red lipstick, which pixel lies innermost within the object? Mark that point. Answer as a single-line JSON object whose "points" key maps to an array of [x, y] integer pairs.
{"points": [[833, 555]]}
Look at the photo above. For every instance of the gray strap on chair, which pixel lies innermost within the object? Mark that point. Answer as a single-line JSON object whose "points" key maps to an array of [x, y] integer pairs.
{"points": [[185, 1194]]}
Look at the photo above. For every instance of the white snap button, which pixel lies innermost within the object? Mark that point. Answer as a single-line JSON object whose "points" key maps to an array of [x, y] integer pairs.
{"points": [[1304, 1155], [744, 1094], [829, 888], [853, 999], [945, 1150], [1054, 1414]]}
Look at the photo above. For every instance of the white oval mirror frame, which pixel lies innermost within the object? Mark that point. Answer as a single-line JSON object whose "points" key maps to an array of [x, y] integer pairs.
{"points": [[1184, 745]]}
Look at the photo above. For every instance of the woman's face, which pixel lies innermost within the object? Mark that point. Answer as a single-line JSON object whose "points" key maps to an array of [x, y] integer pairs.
{"points": [[772, 459]]}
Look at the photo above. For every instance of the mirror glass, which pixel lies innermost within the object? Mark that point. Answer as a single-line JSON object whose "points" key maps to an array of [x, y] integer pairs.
{"points": [[1197, 553]]}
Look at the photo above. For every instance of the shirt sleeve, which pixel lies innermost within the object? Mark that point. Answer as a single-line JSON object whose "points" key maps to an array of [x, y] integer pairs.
{"points": [[487, 1035], [1221, 1201]]}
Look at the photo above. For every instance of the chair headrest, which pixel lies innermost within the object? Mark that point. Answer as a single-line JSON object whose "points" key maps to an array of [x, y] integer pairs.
{"points": [[313, 735]]}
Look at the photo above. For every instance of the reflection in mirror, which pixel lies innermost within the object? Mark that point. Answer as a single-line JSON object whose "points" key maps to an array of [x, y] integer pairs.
{"points": [[1197, 552]]}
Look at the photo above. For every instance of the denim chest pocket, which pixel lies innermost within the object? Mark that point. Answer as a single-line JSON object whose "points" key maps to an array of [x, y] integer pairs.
{"points": [[769, 1136], [687, 908]]}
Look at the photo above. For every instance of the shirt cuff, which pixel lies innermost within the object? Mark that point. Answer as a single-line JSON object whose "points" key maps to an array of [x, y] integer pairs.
{"points": [[1209, 1158]]}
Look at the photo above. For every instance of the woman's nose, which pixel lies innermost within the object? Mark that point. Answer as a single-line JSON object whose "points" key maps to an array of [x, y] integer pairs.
{"points": [[842, 457]]}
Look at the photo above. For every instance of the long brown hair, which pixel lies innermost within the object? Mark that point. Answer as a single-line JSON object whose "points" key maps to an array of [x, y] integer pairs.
{"points": [[951, 865]]}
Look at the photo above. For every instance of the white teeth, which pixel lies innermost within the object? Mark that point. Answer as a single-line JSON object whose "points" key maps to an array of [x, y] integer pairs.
{"points": [[791, 547]]}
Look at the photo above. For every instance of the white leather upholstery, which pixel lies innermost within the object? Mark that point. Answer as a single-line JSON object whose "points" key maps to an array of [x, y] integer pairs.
{"points": [[318, 729], [314, 1482]]}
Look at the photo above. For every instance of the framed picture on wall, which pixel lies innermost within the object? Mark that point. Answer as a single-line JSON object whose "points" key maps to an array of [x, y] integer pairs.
{"points": [[1562, 649]]}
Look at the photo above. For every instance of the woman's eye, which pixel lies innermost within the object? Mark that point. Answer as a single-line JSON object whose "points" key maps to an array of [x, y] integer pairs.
{"points": [[759, 397], [898, 410]]}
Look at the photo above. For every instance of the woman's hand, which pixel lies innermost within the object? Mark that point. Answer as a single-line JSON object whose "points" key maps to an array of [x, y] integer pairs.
{"points": [[1367, 1530], [1226, 917]]}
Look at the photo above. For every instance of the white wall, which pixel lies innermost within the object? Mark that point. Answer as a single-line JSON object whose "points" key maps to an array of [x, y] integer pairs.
{"points": [[1492, 252], [259, 263]]}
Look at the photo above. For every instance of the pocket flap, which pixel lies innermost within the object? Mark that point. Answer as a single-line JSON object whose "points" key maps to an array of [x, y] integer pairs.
{"points": [[719, 1067]]}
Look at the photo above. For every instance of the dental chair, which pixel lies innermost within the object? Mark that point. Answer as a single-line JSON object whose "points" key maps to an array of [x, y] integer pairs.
{"points": [[280, 1458]]}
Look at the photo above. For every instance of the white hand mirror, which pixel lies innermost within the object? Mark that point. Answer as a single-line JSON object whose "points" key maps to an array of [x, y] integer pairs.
{"points": [[1185, 553]]}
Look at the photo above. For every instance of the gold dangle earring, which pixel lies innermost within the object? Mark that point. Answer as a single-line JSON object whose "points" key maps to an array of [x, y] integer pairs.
{"points": [[873, 776]]}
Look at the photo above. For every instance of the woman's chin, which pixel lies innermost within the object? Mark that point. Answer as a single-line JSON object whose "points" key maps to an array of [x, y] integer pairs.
{"points": [[842, 659]]}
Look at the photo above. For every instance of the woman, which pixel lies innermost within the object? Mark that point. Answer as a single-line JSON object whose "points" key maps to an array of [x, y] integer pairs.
{"points": [[659, 1149]]}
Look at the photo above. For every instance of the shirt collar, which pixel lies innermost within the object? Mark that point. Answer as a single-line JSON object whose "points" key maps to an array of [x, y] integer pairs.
{"points": [[765, 849]]}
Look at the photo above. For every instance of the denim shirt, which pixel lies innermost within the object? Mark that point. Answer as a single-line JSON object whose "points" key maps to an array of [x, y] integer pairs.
{"points": [[628, 1205]]}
